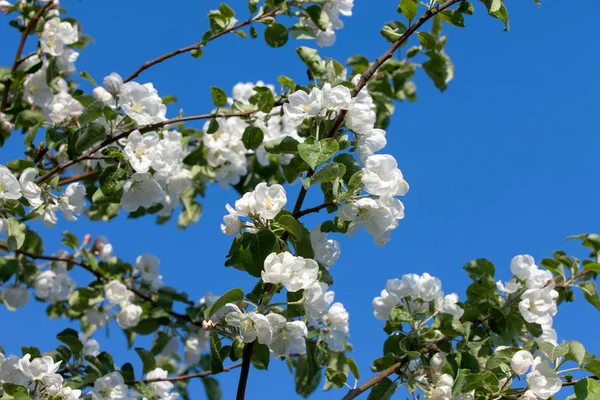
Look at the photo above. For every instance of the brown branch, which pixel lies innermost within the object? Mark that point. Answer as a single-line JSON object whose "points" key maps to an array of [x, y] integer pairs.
{"points": [[202, 374], [61, 167], [79, 177], [573, 383], [198, 45], [318, 208], [98, 276], [26, 32], [246, 358], [367, 75]]}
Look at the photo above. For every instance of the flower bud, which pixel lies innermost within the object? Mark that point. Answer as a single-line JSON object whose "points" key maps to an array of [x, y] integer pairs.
{"points": [[101, 94], [87, 239], [208, 325], [113, 83], [521, 362]]}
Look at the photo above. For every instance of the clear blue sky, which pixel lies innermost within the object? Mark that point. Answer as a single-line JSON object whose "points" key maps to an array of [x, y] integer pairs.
{"points": [[502, 163]]}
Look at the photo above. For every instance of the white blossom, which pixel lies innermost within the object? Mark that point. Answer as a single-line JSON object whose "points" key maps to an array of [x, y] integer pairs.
{"points": [[302, 105], [360, 118], [53, 286], [57, 35], [91, 347], [117, 293], [538, 305], [113, 83], [148, 266], [317, 300], [379, 217], [142, 103], [64, 108], [542, 379], [15, 297], [252, 326], [382, 177], [269, 200], [141, 150], [287, 336], [336, 98], [449, 305], [294, 273], [10, 189], [129, 316], [29, 189], [66, 61], [140, 191], [511, 286], [384, 304], [327, 251], [36, 90], [72, 203], [523, 266], [521, 361], [38, 368], [161, 388], [369, 143], [337, 330], [110, 387], [231, 222]]}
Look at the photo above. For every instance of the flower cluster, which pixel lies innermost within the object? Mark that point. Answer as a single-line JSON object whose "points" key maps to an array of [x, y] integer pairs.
{"points": [[54, 284], [415, 293], [333, 9], [538, 301], [226, 152], [117, 294], [259, 206], [543, 381], [38, 375]]}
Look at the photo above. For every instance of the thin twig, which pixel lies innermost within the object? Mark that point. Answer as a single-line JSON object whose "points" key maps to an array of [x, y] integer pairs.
{"points": [[318, 208], [573, 383], [79, 177], [198, 45], [61, 167], [26, 32], [99, 275], [202, 374]]}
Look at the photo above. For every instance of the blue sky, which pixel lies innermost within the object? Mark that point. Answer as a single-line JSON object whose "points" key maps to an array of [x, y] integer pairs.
{"points": [[502, 163]]}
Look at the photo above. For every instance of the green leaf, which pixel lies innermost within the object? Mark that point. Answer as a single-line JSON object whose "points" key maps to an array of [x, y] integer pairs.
{"points": [[318, 16], [19, 165], [216, 361], [353, 368], [576, 352], [7, 268], [91, 113], [213, 126], [291, 225], [480, 268], [16, 234], [316, 152], [294, 169], [427, 40], [329, 173], [383, 390], [212, 388], [252, 137], [276, 35], [409, 8], [226, 11], [591, 266], [232, 296], [89, 135], [398, 314], [263, 99], [17, 392], [260, 356], [219, 96], [197, 53], [590, 293], [283, 145], [452, 17], [146, 326], [390, 34], [111, 182], [593, 367], [310, 57], [474, 381], [439, 69], [29, 119], [85, 75], [148, 361], [338, 378], [71, 339], [286, 82], [587, 389]]}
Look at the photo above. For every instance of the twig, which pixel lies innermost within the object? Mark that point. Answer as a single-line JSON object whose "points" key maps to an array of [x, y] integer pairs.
{"points": [[247, 356], [202, 374], [98, 276], [302, 213], [573, 383], [198, 45], [79, 177], [24, 35], [61, 167]]}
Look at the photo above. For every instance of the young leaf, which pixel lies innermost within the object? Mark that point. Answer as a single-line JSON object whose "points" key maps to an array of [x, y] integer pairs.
{"points": [[219, 96], [252, 137]]}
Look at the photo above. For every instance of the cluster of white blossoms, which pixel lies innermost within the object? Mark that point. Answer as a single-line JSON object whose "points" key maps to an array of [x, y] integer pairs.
{"points": [[71, 202], [259, 206], [327, 251], [54, 99], [542, 379], [438, 385], [39, 376], [129, 313], [54, 284], [226, 152], [112, 387], [414, 293], [333, 9], [538, 301]]}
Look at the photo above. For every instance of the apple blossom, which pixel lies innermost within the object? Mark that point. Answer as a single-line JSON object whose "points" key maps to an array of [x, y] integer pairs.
{"points": [[29, 189], [287, 336], [382, 177], [521, 361], [141, 150], [64, 108], [117, 293], [161, 389], [523, 266], [53, 286], [129, 316], [295, 273], [252, 326], [542, 379], [369, 143], [113, 83], [10, 189], [39, 367], [269, 200], [36, 90], [142, 103], [91, 347], [327, 251], [538, 305], [360, 118], [57, 35], [337, 330], [140, 191], [110, 387], [302, 105], [15, 297], [72, 203], [317, 300]]}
